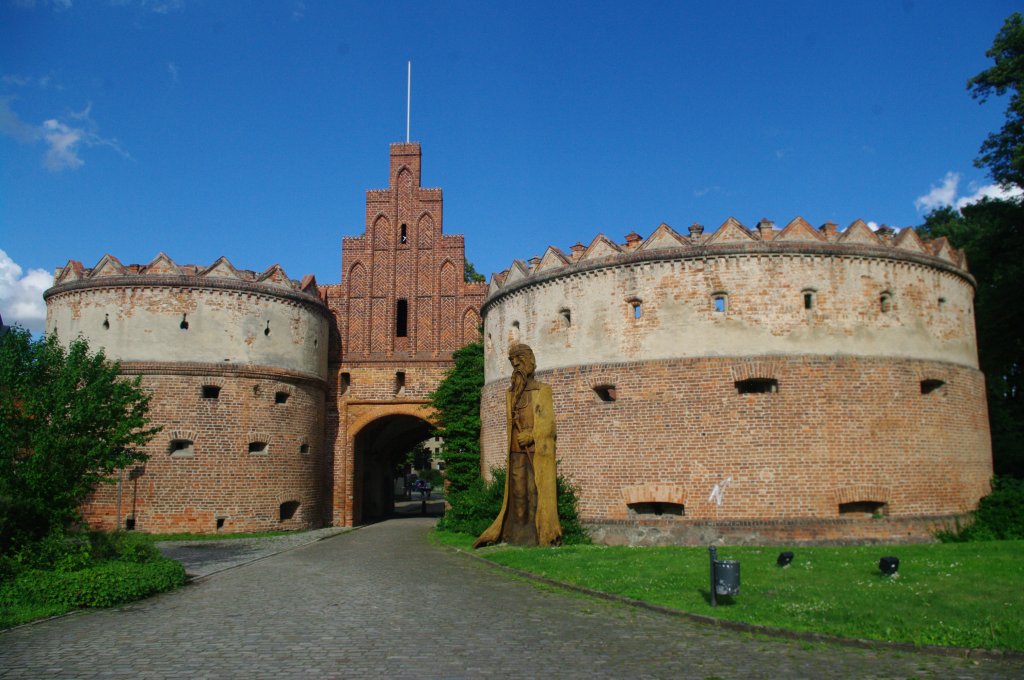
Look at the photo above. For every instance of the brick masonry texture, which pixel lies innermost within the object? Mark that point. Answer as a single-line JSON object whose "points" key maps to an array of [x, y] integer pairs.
{"points": [[838, 430]]}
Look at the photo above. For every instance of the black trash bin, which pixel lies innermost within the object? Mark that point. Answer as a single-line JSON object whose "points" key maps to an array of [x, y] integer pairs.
{"points": [[727, 577]]}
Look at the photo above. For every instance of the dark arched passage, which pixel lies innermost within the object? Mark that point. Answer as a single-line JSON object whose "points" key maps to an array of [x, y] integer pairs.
{"points": [[378, 448]]}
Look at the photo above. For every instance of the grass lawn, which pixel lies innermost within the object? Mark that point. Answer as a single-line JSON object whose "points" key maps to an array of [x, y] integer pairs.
{"points": [[956, 594]]}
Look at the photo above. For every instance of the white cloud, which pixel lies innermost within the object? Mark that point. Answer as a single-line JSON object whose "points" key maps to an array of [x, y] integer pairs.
{"points": [[64, 141], [155, 6], [988, 191], [298, 10], [172, 70], [945, 194], [939, 196], [21, 296]]}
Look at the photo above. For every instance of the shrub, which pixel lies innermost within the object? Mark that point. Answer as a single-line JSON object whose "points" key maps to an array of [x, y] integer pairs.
{"points": [[102, 585], [473, 510], [1000, 515]]}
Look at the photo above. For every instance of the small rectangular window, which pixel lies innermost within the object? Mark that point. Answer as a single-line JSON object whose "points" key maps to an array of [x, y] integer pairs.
{"points": [[402, 318], [181, 448], [863, 508], [399, 381], [808, 300], [345, 383], [605, 392], [280, 397], [930, 385], [258, 447], [757, 386], [304, 448], [719, 302], [211, 391], [656, 509]]}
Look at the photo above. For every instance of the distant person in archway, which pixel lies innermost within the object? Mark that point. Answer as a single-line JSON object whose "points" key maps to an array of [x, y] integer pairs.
{"points": [[529, 510]]}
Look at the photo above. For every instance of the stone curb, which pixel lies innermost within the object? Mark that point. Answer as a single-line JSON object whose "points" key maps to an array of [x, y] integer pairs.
{"points": [[934, 650]]}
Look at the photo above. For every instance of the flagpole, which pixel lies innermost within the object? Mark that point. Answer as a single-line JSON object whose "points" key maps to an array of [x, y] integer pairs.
{"points": [[408, 100]]}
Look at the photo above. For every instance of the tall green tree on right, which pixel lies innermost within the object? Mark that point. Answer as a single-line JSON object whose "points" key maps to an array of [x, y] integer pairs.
{"points": [[991, 233], [1003, 152]]}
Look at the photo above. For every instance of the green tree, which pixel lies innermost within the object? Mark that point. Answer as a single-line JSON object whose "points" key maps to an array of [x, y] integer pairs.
{"points": [[68, 421], [991, 235], [471, 275], [1003, 152], [457, 401]]}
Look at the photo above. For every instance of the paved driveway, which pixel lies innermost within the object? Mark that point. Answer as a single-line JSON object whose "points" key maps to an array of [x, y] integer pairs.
{"points": [[381, 602]]}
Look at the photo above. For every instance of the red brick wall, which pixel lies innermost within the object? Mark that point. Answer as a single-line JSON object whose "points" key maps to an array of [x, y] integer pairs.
{"points": [[838, 430], [378, 269], [222, 479]]}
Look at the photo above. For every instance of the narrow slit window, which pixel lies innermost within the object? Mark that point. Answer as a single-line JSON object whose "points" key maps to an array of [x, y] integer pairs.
{"points": [[399, 381], [184, 322], [266, 331], [403, 236], [181, 448], [258, 447], [638, 309], [757, 386], [106, 322], [402, 318], [220, 522], [345, 383], [808, 299], [942, 303], [863, 509], [605, 392], [720, 302], [656, 509], [280, 397], [211, 391], [288, 509], [885, 302], [566, 316], [929, 385]]}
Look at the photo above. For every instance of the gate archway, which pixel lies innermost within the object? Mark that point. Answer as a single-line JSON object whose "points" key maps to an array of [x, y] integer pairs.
{"points": [[378, 448]]}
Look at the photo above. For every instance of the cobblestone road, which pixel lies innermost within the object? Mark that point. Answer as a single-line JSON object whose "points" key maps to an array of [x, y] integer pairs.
{"points": [[381, 602]]}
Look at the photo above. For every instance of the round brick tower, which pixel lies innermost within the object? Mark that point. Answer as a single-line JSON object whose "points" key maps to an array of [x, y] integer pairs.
{"points": [[755, 385], [236, 362]]}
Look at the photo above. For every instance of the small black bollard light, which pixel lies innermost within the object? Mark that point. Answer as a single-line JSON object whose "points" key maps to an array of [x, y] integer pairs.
{"points": [[889, 565], [784, 558], [725, 576]]}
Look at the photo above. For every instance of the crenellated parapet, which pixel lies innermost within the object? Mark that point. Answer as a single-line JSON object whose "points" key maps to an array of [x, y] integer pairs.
{"points": [[163, 271], [168, 313], [733, 238]]}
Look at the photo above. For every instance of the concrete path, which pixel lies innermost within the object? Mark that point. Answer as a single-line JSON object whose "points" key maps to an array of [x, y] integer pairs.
{"points": [[381, 602]]}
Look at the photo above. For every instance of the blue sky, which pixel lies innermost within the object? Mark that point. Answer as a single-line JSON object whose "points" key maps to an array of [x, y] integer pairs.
{"points": [[206, 127]]}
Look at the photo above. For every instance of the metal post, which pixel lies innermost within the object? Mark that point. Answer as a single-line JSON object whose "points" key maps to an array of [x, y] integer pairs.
{"points": [[120, 484], [714, 557]]}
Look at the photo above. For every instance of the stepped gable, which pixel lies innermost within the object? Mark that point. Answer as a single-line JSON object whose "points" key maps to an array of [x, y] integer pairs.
{"points": [[731, 234]]}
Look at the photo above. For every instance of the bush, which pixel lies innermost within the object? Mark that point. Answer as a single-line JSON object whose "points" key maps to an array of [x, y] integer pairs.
{"points": [[1000, 515], [102, 585], [473, 510]]}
